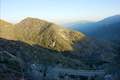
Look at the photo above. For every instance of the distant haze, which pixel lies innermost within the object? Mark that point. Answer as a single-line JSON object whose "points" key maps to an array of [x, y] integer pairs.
{"points": [[58, 10]]}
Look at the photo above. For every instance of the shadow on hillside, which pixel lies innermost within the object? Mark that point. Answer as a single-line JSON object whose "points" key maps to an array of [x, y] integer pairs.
{"points": [[16, 57]]}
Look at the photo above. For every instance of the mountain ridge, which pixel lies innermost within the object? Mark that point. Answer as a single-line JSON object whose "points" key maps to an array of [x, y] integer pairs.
{"points": [[107, 28], [46, 34]]}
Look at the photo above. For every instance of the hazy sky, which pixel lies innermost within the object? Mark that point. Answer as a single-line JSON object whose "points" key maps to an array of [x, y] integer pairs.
{"points": [[58, 10]]}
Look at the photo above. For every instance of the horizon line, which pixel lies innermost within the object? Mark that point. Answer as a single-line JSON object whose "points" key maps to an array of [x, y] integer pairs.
{"points": [[65, 20]]}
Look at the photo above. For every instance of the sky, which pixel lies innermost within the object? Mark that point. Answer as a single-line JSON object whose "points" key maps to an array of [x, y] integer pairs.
{"points": [[58, 10]]}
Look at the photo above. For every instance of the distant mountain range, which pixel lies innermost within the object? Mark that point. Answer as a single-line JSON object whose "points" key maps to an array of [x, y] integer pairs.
{"points": [[106, 29]]}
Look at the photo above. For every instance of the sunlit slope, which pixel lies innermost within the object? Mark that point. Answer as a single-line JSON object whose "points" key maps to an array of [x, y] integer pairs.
{"points": [[46, 34], [6, 30]]}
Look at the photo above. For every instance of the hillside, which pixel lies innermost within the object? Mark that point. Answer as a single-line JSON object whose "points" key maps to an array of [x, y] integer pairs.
{"points": [[4, 23], [46, 34], [19, 60], [6, 30]]}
